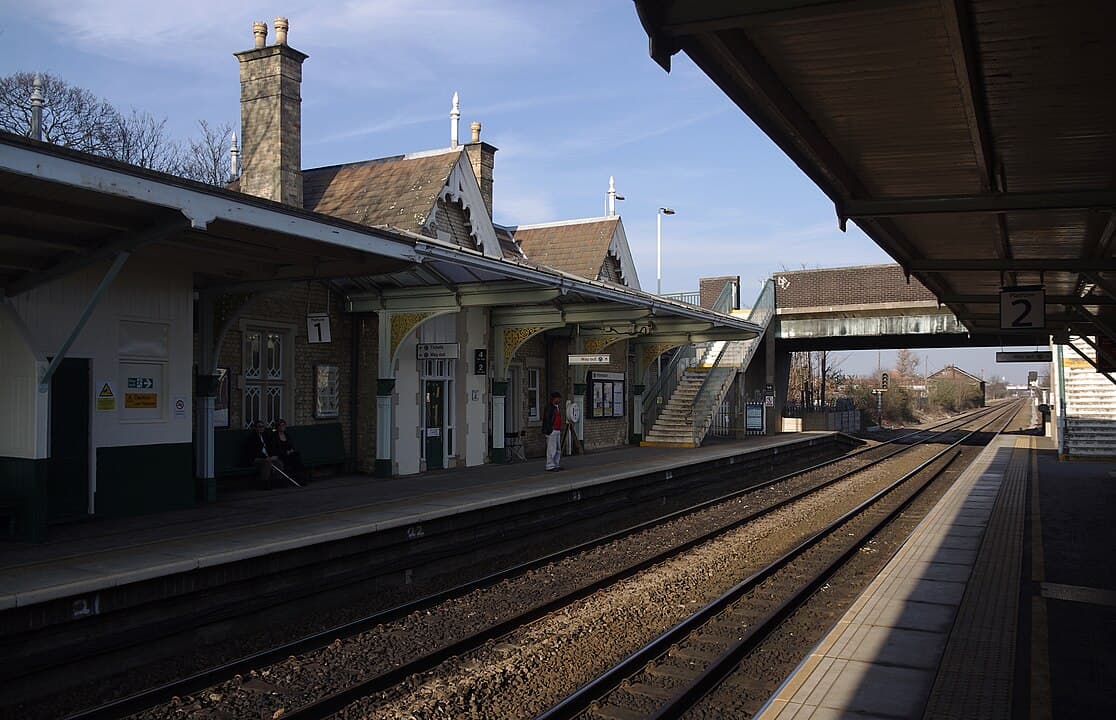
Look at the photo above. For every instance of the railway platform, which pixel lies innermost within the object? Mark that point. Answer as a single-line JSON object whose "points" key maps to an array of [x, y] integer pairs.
{"points": [[1001, 605], [87, 569]]}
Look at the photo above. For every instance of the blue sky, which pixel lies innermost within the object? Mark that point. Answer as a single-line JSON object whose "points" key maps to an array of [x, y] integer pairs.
{"points": [[566, 91]]}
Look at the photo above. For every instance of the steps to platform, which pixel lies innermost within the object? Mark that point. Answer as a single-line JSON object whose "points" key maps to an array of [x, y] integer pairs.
{"points": [[1090, 407]]}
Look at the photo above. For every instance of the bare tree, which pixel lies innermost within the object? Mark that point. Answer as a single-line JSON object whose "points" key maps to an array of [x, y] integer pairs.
{"points": [[72, 117], [76, 118], [906, 366], [206, 157], [139, 139]]}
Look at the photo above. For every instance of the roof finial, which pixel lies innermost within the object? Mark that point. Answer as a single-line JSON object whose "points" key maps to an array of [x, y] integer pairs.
{"points": [[37, 108], [234, 159], [455, 117], [613, 196]]}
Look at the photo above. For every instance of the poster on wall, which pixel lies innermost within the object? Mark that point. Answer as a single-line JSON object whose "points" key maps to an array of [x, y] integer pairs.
{"points": [[608, 394], [327, 391], [221, 405]]}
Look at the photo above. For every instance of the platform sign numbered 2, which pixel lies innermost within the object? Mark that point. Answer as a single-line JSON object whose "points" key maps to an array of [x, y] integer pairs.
{"points": [[1022, 309], [317, 328]]}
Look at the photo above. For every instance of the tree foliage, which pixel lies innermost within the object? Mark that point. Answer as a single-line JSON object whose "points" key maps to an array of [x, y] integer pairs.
{"points": [[74, 117]]}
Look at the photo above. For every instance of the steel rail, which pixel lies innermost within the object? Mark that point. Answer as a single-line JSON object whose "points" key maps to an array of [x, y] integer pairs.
{"points": [[607, 682], [210, 676], [335, 702]]}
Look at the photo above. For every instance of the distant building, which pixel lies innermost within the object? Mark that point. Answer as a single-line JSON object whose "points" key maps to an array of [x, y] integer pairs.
{"points": [[959, 379]]}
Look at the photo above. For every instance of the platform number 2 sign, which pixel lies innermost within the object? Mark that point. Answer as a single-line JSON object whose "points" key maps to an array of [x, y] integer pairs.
{"points": [[1022, 309], [317, 328]]}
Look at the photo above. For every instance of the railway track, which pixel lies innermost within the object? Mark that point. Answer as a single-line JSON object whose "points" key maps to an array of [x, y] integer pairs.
{"points": [[675, 672], [325, 701]]}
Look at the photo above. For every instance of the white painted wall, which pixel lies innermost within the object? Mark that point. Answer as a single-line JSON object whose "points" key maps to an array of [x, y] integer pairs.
{"points": [[23, 409], [146, 291]]}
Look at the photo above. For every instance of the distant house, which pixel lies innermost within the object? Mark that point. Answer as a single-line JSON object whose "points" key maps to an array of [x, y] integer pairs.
{"points": [[954, 384]]}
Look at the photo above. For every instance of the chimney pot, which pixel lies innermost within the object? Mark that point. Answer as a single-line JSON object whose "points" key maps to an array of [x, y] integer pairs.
{"points": [[475, 127], [259, 29], [281, 27]]}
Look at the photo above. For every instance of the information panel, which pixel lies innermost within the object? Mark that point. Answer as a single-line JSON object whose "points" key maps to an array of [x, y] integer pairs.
{"points": [[606, 394]]}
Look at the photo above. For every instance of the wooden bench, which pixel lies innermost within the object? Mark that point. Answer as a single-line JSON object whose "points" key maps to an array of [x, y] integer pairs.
{"points": [[228, 453], [319, 445], [10, 509]]}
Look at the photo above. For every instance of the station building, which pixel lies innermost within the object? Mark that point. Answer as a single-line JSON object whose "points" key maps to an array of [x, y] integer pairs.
{"points": [[146, 320]]}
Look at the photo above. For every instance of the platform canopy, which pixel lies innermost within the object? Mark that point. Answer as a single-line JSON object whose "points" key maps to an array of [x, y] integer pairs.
{"points": [[62, 211], [973, 140]]}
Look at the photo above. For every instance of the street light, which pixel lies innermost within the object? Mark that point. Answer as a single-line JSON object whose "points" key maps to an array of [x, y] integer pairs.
{"points": [[659, 248]]}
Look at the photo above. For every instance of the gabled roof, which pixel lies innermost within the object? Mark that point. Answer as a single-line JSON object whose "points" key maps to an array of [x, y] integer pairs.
{"points": [[508, 247], [402, 192], [399, 191], [955, 371], [578, 246]]}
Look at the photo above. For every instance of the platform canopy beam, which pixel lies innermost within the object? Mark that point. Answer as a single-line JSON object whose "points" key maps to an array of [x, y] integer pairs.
{"points": [[990, 203]]}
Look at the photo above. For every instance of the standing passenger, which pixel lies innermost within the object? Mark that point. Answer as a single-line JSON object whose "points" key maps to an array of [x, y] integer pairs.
{"points": [[552, 429]]}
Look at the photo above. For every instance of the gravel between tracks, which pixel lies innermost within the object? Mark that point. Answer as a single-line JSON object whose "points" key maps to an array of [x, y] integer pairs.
{"points": [[534, 667]]}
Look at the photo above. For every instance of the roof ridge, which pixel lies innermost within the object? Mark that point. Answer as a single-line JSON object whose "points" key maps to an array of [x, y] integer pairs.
{"points": [[558, 223], [389, 158]]}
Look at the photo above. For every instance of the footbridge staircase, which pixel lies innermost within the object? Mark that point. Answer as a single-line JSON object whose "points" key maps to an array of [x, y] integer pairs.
{"points": [[694, 384], [1088, 404]]}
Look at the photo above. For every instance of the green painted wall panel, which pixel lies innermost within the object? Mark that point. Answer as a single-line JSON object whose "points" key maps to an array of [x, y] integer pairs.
{"points": [[141, 479], [23, 497]]}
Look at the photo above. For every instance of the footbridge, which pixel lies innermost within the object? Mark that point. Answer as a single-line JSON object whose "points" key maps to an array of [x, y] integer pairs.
{"points": [[869, 307]]}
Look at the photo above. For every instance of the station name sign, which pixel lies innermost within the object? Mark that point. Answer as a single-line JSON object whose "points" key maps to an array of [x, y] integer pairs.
{"points": [[604, 359], [1042, 356]]}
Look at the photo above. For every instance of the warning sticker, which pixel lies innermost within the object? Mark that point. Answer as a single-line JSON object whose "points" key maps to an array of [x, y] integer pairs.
{"points": [[141, 401], [106, 396]]}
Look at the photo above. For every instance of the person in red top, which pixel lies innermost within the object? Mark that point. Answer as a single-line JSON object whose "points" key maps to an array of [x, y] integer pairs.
{"points": [[552, 429]]}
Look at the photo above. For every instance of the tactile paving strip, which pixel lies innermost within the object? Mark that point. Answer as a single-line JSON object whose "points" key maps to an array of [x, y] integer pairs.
{"points": [[975, 675], [882, 659]]}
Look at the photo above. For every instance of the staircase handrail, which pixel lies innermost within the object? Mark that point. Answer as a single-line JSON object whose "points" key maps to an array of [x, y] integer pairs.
{"points": [[726, 301], [761, 313], [665, 384]]}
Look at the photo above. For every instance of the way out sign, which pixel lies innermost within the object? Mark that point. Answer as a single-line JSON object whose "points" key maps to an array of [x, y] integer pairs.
{"points": [[1022, 309]]}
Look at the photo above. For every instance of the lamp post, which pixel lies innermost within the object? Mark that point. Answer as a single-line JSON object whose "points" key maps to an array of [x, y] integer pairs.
{"points": [[659, 249]]}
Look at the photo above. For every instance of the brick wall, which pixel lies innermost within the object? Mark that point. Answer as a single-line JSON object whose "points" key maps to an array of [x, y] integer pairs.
{"points": [[604, 433], [285, 311], [847, 286], [482, 157], [710, 289], [532, 354], [367, 326], [271, 123]]}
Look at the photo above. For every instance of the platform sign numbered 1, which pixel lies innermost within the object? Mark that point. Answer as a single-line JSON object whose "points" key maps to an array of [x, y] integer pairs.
{"points": [[1022, 309], [317, 328]]}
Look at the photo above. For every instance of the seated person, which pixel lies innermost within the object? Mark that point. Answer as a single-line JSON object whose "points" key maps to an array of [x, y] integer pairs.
{"points": [[285, 449], [259, 448]]}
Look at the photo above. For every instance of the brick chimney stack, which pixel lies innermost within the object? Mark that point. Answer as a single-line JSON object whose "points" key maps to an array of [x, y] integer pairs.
{"points": [[482, 156], [271, 117]]}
